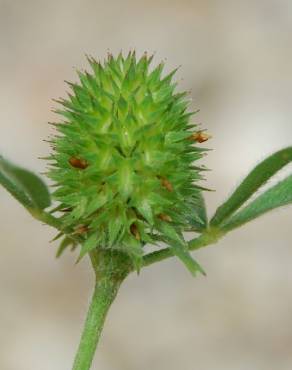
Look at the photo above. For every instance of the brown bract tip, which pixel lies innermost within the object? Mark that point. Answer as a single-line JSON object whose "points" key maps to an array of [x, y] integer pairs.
{"points": [[134, 230], [78, 163], [200, 136], [166, 184], [164, 217], [81, 229]]}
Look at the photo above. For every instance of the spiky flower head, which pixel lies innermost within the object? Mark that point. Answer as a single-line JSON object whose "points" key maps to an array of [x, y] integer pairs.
{"points": [[123, 159]]}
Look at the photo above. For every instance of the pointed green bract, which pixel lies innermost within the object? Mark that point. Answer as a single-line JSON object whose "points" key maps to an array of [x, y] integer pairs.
{"points": [[65, 243], [88, 245], [123, 157], [180, 248]]}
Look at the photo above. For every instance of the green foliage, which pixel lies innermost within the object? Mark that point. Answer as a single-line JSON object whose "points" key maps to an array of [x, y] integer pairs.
{"points": [[24, 185], [123, 159], [277, 196], [256, 178]]}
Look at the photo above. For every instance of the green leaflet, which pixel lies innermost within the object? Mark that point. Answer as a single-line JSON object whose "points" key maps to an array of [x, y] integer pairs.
{"points": [[256, 178], [277, 196], [180, 248], [24, 185]]}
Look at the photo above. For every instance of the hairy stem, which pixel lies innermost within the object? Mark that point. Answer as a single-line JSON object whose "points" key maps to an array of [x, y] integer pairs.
{"points": [[110, 269], [104, 293]]}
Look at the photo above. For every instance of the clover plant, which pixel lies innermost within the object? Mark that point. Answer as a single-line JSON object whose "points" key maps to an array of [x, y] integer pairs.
{"points": [[126, 174]]}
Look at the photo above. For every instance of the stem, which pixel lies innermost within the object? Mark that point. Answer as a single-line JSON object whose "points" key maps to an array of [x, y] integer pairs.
{"points": [[46, 218], [104, 293], [110, 269]]}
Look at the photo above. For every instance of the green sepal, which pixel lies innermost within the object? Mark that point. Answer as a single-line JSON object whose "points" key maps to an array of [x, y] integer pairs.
{"points": [[146, 211], [58, 236], [65, 243], [176, 136], [78, 211], [115, 227], [180, 248], [197, 214], [88, 245], [133, 248]]}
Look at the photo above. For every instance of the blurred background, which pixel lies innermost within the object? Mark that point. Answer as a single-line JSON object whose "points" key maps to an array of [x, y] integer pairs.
{"points": [[236, 59]]}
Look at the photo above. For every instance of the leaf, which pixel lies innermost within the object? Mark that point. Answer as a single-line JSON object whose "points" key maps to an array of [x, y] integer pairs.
{"points": [[277, 196], [256, 178], [15, 191], [180, 248], [24, 185]]}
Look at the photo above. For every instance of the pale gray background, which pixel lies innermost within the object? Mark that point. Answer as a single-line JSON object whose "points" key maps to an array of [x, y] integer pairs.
{"points": [[236, 58]]}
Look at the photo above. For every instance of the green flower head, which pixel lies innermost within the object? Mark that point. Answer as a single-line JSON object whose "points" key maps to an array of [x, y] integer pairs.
{"points": [[123, 159]]}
